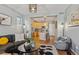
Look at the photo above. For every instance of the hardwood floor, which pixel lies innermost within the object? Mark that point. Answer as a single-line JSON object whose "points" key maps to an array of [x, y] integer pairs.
{"points": [[62, 52]]}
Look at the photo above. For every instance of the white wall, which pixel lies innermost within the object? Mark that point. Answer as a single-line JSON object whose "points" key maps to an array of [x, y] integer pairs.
{"points": [[12, 29], [52, 29], [60, 20], [73, 32], [8, 29], [28, 25]]}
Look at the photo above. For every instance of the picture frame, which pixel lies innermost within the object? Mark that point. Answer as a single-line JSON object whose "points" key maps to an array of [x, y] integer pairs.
{"points": [[74, 20], [5, 19]]}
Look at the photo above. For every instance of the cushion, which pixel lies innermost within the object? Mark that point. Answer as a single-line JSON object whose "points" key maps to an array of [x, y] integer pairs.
{"points": [[11, 37], [3, 40]]}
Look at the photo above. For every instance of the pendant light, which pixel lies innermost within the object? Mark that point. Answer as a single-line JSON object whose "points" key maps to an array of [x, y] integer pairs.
{"points": [[33, 8]]}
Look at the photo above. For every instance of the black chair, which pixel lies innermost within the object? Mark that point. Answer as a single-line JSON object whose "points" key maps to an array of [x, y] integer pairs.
{"points": [[13, 48]]}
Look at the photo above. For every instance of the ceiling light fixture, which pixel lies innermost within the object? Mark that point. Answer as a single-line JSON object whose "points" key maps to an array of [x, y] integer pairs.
{"points": [[33, 8]]}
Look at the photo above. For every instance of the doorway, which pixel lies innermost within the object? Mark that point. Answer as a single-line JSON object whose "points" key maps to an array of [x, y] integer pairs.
{"points": [[44, 30], [52, 31]]}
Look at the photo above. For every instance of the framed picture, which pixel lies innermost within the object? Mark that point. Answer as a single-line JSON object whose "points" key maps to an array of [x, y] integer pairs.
{"points": [[74, 21], [5, 19]]}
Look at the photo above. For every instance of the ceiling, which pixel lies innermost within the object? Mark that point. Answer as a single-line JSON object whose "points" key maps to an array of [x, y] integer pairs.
{"points": [[41, 8]]}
